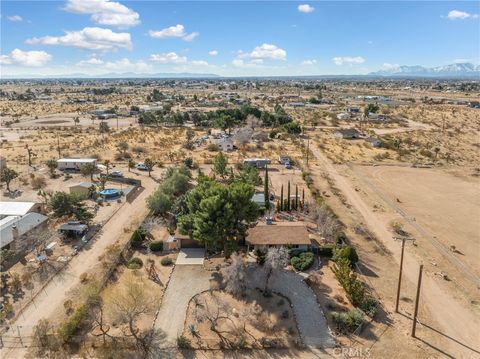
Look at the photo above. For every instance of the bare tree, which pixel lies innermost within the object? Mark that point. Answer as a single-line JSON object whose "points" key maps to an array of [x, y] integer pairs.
{"points": [[127, 302], [276, 258], [253, 122], [243, 135], [234, 276], [327, 224]]}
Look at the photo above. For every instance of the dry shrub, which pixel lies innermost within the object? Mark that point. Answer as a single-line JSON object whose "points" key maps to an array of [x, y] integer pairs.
{"points": [[38, 182]]}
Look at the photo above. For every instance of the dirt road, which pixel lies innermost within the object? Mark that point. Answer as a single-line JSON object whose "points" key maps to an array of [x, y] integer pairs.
{"points": [[456, 323], [52, 297]]}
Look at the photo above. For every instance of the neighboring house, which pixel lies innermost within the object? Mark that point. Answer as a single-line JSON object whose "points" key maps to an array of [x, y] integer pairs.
{"points": [[225, 144], [259, 199], [343, 116], [347, 133], [18, 208], [277, 234], [256, 162], [296, 104], [82, 188], [376, 117], [13, 228], [353, 109], [375, 142], [74, 163]]}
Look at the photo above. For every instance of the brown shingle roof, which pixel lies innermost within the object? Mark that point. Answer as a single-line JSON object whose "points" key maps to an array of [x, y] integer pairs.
{"points": [[279, 233]]}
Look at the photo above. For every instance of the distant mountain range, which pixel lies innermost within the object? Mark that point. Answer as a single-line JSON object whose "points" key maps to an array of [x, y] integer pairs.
{"points": [[454, 70], [114, 75]]}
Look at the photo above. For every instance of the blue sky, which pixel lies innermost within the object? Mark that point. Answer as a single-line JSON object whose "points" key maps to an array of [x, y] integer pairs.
{"points": [[234, 38]]}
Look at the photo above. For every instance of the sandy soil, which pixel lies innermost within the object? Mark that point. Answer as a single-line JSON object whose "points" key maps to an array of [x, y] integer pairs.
{"points": [[252, 317]]}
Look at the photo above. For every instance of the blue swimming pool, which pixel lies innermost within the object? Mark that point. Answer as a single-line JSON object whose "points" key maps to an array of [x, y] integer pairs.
{"points": [[109, 193]]}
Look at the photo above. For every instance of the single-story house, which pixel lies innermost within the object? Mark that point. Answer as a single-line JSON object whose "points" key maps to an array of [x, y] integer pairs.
{"points": [[18, 208], [353, 109], [82, 188], [296, 104], [375, 142], [292, 234], [348, 133], [74, 163], [183, 241], [73, 229], [376, 117], [12, 228], [256, 162], [225, 144]]}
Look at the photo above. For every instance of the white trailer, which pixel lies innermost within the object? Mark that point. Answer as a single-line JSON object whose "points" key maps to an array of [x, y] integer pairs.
{"points": [[74, 163]]}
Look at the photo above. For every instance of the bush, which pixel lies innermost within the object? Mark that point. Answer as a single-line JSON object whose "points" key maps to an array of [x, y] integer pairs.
{"points": [[137, 239], [73, 323], [166, 261], [341, 238], [296, 252], [303, 261], [134, 263], [346, 252], [156, 246], [213, 147], [347, 322], [188, 162], [183, 342], [326, 250], [261, 256], [369, 306]]}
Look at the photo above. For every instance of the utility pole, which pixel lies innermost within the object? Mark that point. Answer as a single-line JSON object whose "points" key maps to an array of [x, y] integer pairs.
{"points": [[417, 298], [400, 276]]}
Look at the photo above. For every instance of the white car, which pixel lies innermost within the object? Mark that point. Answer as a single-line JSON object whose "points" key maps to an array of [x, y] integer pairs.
{"points": [[141, 166], [116, 174]]}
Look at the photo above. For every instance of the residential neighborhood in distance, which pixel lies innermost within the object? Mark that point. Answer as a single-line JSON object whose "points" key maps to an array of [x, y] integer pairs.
{"points": [[239, 179]]}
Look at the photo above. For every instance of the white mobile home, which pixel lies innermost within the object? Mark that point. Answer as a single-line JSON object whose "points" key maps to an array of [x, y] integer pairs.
{"points": [[74, 163]]}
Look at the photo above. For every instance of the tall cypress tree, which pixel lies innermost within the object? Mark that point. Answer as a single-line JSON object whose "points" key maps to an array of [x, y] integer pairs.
{"points": [[281, 199], [266, 190], [303, 197], [296, 197], [288, 197]]}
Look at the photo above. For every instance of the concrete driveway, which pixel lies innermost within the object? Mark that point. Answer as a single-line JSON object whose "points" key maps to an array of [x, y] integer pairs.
{"points": [[190, 256], [185, 282]]}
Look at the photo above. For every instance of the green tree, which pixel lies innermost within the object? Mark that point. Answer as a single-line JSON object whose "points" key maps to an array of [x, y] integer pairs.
{"points": [[149, 164], [371, 108], [107, 164], [88, 169], [71, 205], [296, 197], [266, 190], [220, 163], [281, 199], [292, 128], [7, 175], [160, 203], [288, 197], [131, 164], [219, 214], [52, 166]]}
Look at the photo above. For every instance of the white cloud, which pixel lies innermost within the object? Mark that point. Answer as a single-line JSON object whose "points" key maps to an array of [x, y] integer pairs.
{"points": [[172, 32], [264, 52], [462, 61], [105, 12], [348, 60], [238, 62], [15, 18], [460, 15], [169, 58], [25, 58], [213, 53], [91, 38], [390, 67], [309, 62], [305, 8], [91, 61]]}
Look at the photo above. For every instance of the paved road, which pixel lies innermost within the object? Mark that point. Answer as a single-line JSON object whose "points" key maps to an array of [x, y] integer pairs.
{"points": [[51, 299], [310, 318], [185, 282]]}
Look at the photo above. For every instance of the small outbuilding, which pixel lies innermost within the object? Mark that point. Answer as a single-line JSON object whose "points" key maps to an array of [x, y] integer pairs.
{"points": [[256, 162], [82, 188], [73, 229], [74, 163], [347, 133]]}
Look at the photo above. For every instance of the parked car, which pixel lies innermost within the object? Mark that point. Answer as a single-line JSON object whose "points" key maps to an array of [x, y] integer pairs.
{"points": [[116, 174], [141, 166], [288, 165]]}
